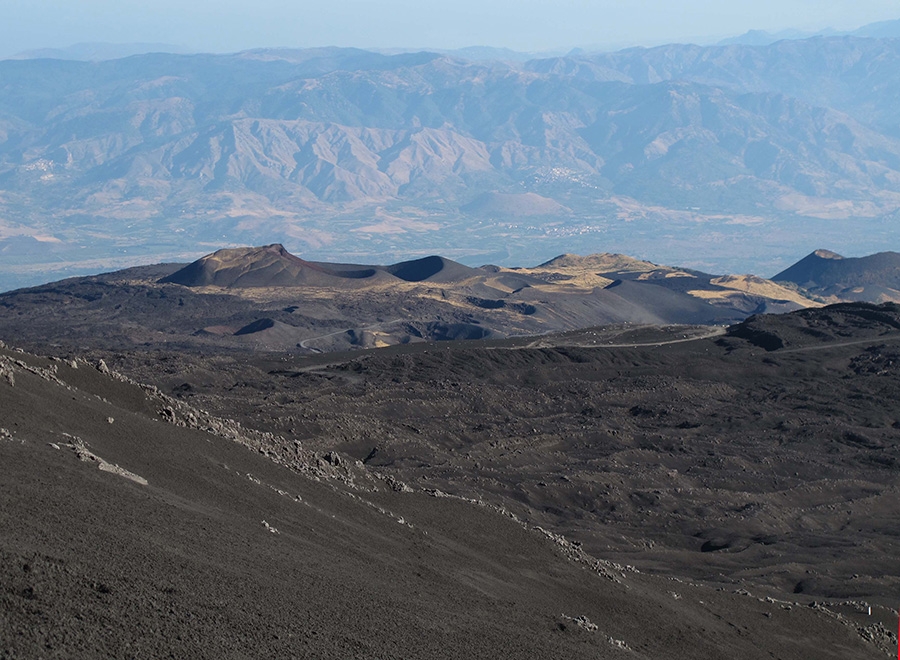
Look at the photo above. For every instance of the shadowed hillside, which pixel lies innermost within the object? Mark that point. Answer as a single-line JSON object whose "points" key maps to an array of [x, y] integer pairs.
{"points": [[875, 278]]}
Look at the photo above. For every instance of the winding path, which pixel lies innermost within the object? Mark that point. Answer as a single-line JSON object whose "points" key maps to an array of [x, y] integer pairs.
{"points": [[713, 331]]}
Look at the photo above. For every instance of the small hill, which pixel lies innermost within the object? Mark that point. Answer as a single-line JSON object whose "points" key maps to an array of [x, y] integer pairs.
{"points": [[742, 294], [593, 270], [875, 278], [843, 322], [605, 261], [432, 269], [269, 334]]}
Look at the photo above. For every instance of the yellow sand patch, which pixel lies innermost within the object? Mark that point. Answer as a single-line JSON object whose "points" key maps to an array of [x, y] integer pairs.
{"points": [[674, 273], [755, 286]]}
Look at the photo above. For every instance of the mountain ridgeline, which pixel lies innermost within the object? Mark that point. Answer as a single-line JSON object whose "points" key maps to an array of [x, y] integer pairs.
{"points": [[348, 151]]}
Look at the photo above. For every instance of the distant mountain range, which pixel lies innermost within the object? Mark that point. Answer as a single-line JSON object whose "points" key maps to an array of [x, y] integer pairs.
{"points": [[101, 51], [98, 51], [739, 156]]}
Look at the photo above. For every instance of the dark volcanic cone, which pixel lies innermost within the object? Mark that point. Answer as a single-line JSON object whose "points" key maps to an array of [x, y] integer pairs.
{"points": [[432, 269], [874, 278], [272, 265], [266, 266]]}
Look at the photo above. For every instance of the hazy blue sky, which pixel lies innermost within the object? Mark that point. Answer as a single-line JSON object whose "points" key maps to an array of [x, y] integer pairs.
{"points": [[229, 25]]}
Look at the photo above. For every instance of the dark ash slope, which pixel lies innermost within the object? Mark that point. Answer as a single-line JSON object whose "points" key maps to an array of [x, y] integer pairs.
{"points": [[126, 535], [763, 459]]}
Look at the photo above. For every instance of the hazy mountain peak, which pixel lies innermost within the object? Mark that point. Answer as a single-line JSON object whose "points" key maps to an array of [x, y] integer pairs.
{"points": [[880, 30], [765, 38], [99, 51]]}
